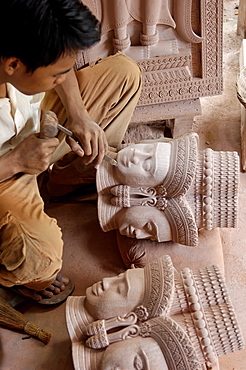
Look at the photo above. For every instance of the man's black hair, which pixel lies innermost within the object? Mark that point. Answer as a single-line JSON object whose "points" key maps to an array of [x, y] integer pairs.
{"points": [[39, 32]]}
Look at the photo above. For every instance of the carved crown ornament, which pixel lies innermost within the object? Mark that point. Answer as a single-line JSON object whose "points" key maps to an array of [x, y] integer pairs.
{"points": [[127, 196]]}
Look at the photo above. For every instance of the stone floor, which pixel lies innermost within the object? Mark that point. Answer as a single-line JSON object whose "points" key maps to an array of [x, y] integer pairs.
{"points": [[90, 254]]}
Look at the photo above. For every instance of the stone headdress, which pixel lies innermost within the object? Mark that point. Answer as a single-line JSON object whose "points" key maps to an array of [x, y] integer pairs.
{"points": [[202, 307], [174, 343], [213, 195], [158, 289]]}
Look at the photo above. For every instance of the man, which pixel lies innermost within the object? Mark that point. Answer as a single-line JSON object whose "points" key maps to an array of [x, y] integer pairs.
{"points": [[36, 56]]}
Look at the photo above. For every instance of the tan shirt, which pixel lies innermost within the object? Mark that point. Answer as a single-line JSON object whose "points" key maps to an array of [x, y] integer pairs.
{"points": [[19, 117]]}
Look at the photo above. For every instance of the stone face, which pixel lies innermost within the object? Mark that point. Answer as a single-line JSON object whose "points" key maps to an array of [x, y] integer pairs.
{"points": [[168, 190], [183, 318]]}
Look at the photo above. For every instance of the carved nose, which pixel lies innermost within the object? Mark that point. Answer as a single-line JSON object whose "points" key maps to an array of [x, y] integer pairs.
{"points": [[135, 156], [106, 284], [138, 233], [135, 160], [138, 156]]}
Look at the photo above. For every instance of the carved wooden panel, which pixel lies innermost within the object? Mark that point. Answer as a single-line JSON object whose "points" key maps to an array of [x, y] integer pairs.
{"points": [[192, 65]]}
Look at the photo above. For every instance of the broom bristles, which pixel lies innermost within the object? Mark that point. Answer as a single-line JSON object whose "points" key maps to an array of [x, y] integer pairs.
{"points": [[36, 331], [14, 319]]}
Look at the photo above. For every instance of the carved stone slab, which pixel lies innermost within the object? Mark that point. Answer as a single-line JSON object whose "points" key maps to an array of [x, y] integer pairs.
{"points": [[203, 63], [194, 71]]}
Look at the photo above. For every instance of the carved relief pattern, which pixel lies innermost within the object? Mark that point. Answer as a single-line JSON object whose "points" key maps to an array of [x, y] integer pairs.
{"points": [[210, 81], [98, 341], [97, 327], [206, 288], [213, 33], [165, 63], [167, 335], [215, 189], [126, 196], [164, 77], [159, 289], [204, 60], [182, 222], [226, 182], [180, 177], [198, 316]]}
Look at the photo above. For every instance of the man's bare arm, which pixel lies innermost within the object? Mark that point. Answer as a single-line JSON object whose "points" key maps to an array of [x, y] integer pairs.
{"points": [[91, 137]]}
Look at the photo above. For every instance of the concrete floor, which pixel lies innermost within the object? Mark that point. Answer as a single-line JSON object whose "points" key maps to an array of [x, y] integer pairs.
{"points": [[90, 254]]}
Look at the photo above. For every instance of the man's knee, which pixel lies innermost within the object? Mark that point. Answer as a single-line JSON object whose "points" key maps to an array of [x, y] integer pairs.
{"points": [[28, 257], [111, 73], [128, 69]]}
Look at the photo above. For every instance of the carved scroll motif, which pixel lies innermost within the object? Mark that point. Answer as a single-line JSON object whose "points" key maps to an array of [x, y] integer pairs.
{"points": [[127, 196], [100, 338]]}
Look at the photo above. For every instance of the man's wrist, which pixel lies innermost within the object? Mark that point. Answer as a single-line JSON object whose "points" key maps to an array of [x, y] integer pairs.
{"points": [[8, 167]]}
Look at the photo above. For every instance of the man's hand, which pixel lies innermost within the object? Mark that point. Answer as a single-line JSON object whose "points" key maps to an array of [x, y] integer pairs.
{"points": [[32, 155], [92, 141], [91, 137]]}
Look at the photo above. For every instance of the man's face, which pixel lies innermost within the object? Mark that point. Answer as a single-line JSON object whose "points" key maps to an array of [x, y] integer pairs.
{"points": [[43, 78]]}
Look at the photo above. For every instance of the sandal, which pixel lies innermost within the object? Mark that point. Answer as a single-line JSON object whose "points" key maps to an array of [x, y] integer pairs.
{"points": [[56, 299]]}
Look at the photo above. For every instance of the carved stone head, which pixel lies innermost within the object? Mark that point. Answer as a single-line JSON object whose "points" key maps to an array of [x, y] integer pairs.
{"points": [[145, 291], [159, 344], [185, 319], [168, 190], [143, 195]]}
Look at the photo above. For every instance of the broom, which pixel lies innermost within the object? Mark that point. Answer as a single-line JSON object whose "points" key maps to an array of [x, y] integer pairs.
{"points": [[12, 318]]}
